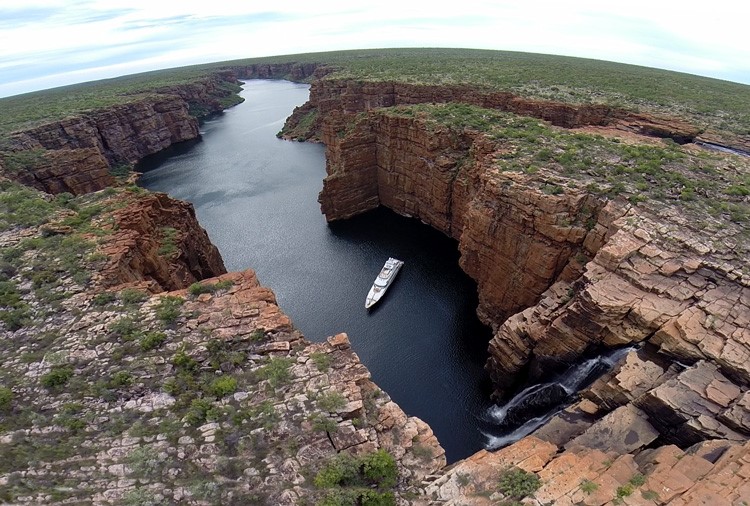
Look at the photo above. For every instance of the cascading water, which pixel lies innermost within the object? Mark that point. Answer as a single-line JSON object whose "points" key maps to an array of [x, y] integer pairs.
{"points": [[533, 406]]}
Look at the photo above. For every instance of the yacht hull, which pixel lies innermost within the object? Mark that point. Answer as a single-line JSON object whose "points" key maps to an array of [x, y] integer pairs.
{"points": [[383, 281]]}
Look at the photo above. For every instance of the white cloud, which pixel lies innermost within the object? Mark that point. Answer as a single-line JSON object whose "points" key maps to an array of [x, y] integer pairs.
{"points": [[48, 42]]}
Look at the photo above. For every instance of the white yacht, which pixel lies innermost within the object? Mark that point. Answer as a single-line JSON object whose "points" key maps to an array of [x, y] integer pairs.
{"points": [[383, 281]]}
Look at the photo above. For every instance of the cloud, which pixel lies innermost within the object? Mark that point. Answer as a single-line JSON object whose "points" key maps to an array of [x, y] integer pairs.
{"points": [[55, 42]]}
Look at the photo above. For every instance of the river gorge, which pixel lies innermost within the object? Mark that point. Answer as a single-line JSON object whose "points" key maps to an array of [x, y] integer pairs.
{"points": [[567, 282], [256, 195]]}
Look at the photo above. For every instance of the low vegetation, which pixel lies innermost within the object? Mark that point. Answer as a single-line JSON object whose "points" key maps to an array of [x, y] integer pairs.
{"points": [[719, 104], [516, 483], [708, 185], [367, 479]]}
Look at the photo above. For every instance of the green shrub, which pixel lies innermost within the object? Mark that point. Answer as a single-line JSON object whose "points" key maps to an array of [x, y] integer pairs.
{"points": [[196, 413], [380, 468], [125, 328], [14, 312], [132, 296], [276, 371], [152, 340], [22, 207], [6, 398], [637, 480], [589, 487], [258, 335], [552, 189], [361, 480], [70, 417], [15, 319], [145, 461], [120, 379], [322, 423], [625, 490], [342, 470], [168, 247], [141, 497], [516, 483], [199, 288], [168, 309], [57, 377], [321, 360], [223, 386], [184, 361], [104, 298], [331, 401]]}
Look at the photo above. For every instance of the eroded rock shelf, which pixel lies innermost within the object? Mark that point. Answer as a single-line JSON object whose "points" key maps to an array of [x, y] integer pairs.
{"points": [[558, 274]]}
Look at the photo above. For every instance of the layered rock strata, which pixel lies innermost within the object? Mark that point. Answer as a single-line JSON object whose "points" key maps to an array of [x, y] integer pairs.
{"points": [[514, 240], [78, 151], [157, 240], [562, 273], [263, 437], [348, 96], [711, 472]]}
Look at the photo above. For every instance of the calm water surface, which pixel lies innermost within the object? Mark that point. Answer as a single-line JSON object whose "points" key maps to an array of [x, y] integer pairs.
{"points": [[256, 196]]}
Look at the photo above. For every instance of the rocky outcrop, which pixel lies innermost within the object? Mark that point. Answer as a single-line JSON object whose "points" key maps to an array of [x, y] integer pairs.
{"points": [[74, 170], [346, 96], [560, 273], [711, 472], [221, 399], [292, 71], [78, 149], [514, 239], [157, 240], [123, 134]]}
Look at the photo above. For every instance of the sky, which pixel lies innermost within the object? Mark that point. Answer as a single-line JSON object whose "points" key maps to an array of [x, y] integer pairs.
{"points": [[48, 43]]}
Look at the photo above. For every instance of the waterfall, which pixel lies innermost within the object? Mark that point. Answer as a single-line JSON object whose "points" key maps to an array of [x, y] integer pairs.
{"points": [[533, 406]]}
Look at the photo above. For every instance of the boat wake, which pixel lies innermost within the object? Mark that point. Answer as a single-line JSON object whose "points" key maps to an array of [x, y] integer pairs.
{"points": [[533, 406]]}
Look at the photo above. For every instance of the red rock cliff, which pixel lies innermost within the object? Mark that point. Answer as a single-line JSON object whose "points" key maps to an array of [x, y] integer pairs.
{"points": [[157, 239], [78, 151], [560, 274]]}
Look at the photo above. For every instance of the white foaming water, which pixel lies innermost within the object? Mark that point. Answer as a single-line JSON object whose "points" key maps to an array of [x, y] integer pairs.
{"points": [[498, 413], [532, 424], [570, 381]]}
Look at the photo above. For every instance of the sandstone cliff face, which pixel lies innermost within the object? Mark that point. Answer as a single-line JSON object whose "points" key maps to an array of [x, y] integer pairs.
{"points": [[514, 240], [76, 171], [262, 440], [79, 150], [124, 133], [350, 97], [712, 472], [157, 239], [561, 273]]}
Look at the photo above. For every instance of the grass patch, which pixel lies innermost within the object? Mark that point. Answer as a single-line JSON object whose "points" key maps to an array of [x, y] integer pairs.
{"points": [[152, 340], [169, 309], [199, 288], [276, 371], [168, 246], [516, 483], [57, 377], [321, 360], [367, 479], [131, 296], [22, 207], [223, 386], [589, 487]]}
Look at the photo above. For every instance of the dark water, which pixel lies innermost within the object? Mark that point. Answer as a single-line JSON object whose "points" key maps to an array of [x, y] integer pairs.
{"points": [[535, 405], [257, 198]]}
